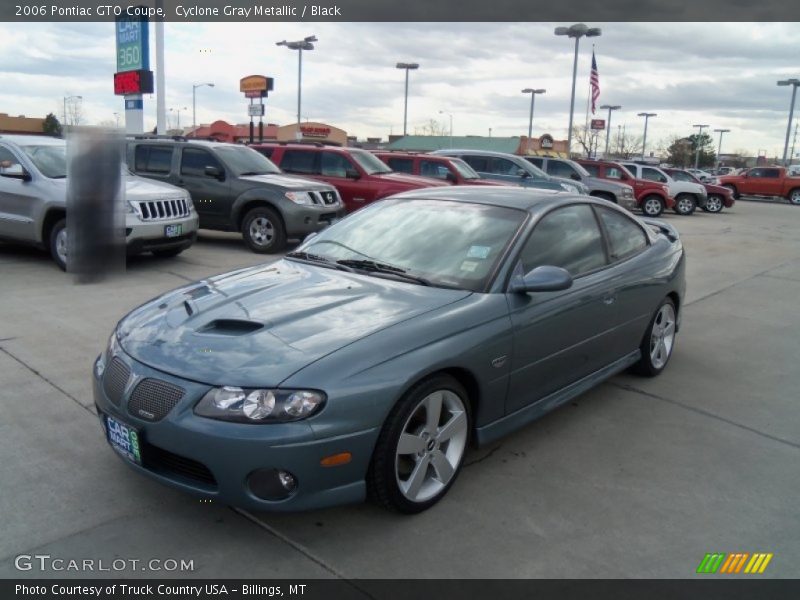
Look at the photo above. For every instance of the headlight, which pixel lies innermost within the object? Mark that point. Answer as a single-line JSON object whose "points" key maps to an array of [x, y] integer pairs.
{"points": [[569, 188], [300, 197], [129, 208], [102, 360], [189, 203], [627, 192], [248, 405]]}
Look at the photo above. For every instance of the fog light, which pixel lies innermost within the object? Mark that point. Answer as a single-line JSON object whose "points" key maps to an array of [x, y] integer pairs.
{"points": [[272, 484]]}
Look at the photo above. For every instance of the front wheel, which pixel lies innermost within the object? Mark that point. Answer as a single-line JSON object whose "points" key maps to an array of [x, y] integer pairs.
{"points": [[58, 243], [685, 204], [653, 206], [733, 190], [714, 204], [794, 196], [421, 448], [263, 230], [658, 341]]}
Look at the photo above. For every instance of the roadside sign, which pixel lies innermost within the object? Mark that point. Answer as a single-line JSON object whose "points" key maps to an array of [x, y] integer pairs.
{"points": [[598, 124], [133, 48], [255, 110]]}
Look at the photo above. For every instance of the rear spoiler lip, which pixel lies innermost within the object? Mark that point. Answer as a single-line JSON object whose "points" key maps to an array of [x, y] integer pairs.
{"points": [[665, 228]]}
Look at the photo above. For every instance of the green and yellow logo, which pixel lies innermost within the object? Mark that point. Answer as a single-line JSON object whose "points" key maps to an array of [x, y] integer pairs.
{"points": [[736, 562]]}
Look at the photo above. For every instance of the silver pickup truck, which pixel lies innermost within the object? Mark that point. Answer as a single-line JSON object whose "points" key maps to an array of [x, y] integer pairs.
{"points": [[159, 217]]}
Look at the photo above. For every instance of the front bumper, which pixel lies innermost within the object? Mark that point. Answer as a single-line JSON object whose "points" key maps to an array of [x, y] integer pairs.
{"points": [[302, 219], [144, 236], [213, 459]]}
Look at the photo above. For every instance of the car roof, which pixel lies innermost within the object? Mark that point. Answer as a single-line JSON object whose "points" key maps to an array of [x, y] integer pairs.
{"points": [[307, 146], [527, 199], [447, 151], [33, 140], [188, 141]]}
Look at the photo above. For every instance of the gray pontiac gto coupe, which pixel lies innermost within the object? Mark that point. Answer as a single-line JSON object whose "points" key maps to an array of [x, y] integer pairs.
{"points": [[365, 361]]}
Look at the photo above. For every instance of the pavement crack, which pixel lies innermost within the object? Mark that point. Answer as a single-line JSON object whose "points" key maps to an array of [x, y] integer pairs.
{"points": [[484, 457], [302, 550], [705, 413], [46, 380], [739, 282]]}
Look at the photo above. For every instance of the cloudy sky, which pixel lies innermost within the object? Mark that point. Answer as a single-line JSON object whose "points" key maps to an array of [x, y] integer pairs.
{"points": [[721, 74]]}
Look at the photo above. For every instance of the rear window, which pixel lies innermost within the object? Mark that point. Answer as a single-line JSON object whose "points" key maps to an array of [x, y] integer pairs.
{"points": [[153, 159]]}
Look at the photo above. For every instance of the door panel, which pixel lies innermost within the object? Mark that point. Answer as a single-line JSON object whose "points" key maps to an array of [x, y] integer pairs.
{"points": [[211, 197]]}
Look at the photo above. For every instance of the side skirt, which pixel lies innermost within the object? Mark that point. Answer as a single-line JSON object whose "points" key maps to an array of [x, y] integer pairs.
{"points": [[523, 416]]}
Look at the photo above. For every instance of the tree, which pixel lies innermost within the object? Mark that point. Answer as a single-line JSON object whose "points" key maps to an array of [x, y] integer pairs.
{"points": [[679, 152], [51, 126], [73, 108], [587, 138], [682, 151], [432, 127], [625, 146]]}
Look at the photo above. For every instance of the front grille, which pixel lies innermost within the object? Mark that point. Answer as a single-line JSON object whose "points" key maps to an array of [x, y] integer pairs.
{"points": [[115, 379], [324, 198], [152, 399], [166, 463], [155, 210]]}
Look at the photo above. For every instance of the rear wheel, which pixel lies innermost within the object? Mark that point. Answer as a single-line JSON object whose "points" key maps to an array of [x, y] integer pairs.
{"points": [[685, 204], [653, 206], [58, 243], [794, 196], [263, 230], [421, 448], [658, 341], [714, 204]]}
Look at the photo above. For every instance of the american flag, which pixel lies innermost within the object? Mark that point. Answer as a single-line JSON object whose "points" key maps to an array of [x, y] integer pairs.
{"points": [[594, 82]]}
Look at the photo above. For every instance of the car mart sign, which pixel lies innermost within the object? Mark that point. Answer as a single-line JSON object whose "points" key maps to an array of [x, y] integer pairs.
{"points": [[133, 49]]}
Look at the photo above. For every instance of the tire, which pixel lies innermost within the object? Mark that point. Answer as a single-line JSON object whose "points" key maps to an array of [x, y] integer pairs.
{"points": [[658, 341], [733, 190], [714, 204], [263, 230], [685, 204], [416, 460], [652, 206], [58, 243], [167, 252], [794, 196]]}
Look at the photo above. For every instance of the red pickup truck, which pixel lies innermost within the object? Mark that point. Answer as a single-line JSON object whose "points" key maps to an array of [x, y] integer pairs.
{"points": [[764, 181], [652, 197]]}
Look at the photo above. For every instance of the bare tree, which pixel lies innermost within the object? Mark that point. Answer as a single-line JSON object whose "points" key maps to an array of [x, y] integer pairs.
{"points": [[73, 107], [432, 127], [588, 139], [625, 146]]}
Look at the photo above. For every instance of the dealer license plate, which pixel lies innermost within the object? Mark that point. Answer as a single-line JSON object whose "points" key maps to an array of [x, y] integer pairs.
{"points": [[173, 230], [124, 439]]}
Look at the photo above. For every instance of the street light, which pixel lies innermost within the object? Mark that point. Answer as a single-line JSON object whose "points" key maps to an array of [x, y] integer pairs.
{"points": [[178, 112], [299, 45], [116, 118], [408, 67], [441, 112], [719, 148], [576, 31], [194, 100], [644, 139], [608, 125], [533, 93], [65, 106], [697, 141], [794, 83]]}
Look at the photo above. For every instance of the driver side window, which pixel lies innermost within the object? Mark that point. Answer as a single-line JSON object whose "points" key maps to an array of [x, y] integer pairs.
{"points": [[8, 162]]}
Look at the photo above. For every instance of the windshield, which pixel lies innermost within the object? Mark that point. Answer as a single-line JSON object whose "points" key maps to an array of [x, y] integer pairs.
{"points": [[535, 172], [50, 160], [683, 176], [246, 161], [370, 163], [464, 169], [579, 168], [450, 244]]}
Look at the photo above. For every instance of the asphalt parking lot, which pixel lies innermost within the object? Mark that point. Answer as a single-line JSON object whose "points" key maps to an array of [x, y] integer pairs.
{"points": [[638, 478]]}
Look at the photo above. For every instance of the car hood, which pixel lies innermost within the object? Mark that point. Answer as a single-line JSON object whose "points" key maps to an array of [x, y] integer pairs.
{"points": [[286, 181], [605, 184], [140, 188], [483, 182], [415, 181], [676, 187], [256, 327], [716, 189]]}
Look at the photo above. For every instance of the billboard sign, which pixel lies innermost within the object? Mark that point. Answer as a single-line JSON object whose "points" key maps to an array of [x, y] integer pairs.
{"points": [[256, 86], [133, 47], [598, 124]]}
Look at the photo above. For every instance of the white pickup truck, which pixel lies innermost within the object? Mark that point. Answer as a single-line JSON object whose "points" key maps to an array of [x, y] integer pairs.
{"points": [[688, 196]]}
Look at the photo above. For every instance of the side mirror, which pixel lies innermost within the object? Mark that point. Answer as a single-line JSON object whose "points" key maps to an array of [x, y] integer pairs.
{"points": [[214, 172], [450, 177], [543, 279], [15, 171], [523, 173], [575, 176], [352, 174]]}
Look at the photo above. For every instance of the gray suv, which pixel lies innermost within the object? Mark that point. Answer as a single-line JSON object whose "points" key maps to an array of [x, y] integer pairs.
{"points": [[237, 189], [513, 169], [159, 218], [619, 193]]}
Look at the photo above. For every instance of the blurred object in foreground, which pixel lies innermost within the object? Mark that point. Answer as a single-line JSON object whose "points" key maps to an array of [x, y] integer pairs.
{"points": [[95, 201]]}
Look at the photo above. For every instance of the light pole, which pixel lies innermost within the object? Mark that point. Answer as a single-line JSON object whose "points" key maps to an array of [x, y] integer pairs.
{"points": [[408, 67], [576, 31], [194, 101], [299, 45], [73, 98], [177, 111], [644, 139], [794, 83], [608, 125], [719, 147], [116, 119], [697, 142], [441, 112], [533, 93]]}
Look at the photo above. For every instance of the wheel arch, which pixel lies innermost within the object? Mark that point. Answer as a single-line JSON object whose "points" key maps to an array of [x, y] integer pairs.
{"points": [[249, 204], [51, 217]]}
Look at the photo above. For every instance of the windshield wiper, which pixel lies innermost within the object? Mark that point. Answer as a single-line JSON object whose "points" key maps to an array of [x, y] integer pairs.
{"points": [[375, 267], [316, 258]]}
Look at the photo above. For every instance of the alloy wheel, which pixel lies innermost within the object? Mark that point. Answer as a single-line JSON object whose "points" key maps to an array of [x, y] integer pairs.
{"points": [[262, 231], [714, 204], [652, 207], [61, 245], [662, 336]]}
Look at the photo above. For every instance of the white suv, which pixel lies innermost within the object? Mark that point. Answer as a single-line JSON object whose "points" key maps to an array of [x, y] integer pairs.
{"points": [[688, 196]]}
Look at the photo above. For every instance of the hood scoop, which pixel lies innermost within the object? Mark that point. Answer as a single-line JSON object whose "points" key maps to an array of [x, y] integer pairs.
{"points": [[230, 327]]}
